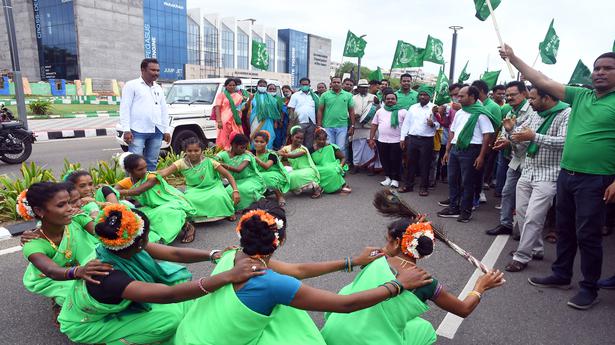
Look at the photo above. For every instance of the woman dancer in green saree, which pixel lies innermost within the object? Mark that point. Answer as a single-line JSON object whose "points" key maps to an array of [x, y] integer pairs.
{"points": [[270, 167], [331, 164], [397, 321], [167, 208], [242, 165], [303, 174], [142, 300], [266, 309], [59, 250], [204, 188]]}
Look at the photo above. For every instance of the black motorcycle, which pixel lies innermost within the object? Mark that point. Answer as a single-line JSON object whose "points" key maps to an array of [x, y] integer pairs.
{"points": [[15, 142]]}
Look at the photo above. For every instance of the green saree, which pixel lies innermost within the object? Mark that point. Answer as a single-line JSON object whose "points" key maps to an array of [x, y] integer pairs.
{"points": [[329, 168], [85, 320], [166, 207], [204, 189], [275, 177], [221, 318], [79, 244], [304, 171], [393, 322], [249, 181]]}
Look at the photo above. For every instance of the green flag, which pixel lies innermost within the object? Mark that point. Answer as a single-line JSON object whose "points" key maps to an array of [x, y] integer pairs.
{"points": [[442, 83], [581, 75], [482, 10], [464, 75], [376, 75], [407, 55], [548, 48], [491, 78], [433, 50], [355, 45], [260, 56]]}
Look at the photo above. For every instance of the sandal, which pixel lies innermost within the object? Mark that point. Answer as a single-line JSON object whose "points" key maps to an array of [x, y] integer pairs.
{"points": [[424, 193], [317, 193], [282, 202], [346, 190], [232, 218], [551, 237], [189, 234], [515, 266], [405, 189]]}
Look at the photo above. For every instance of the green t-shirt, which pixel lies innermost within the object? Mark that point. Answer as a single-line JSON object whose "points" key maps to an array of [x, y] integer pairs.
{"points": [[38, 245], [336, 105], [405, 100], [591, 130], [494, 108]]}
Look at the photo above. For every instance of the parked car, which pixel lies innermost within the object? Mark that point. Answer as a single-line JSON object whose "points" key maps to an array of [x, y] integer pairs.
{"points": [[190, 104]]}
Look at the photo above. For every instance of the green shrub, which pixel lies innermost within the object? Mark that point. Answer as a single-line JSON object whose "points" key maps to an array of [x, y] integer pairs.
{"points": [[40, 107], [10, 189]]}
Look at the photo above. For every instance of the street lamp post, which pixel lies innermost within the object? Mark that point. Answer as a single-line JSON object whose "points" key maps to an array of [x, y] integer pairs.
{"points": [[10, 29], [359, 65], [455, 28]]}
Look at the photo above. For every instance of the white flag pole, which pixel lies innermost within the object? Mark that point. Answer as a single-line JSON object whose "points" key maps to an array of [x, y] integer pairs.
{"points": [[536, 59], [497, 31]]}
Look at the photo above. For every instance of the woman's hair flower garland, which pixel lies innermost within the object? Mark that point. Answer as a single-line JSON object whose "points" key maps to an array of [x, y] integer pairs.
{"points": [[410, 239], [130, 227], [23, 207]]}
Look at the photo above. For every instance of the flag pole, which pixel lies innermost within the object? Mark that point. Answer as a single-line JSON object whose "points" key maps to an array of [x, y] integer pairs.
{"points": [[497, 31], [536, 59]]}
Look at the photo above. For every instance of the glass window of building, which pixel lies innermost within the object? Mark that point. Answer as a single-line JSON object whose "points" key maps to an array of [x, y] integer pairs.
{"points": [[282, 56], [242, 49], [210, 33], [256, 37], [271, 50], [228, 47], [57, 39], [194, 39]]}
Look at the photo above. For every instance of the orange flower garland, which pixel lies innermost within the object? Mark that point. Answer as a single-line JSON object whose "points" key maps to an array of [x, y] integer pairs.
{"points": [[265, 217], [22, 206], [131, 226], [409, 240]]}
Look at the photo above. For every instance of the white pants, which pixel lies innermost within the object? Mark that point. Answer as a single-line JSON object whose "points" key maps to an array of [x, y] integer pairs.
{"points": [[534, 199]]}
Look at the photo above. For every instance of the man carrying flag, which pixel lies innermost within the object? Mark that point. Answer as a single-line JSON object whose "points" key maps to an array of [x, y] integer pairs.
{"points": [[585, 183], [470, 134]]}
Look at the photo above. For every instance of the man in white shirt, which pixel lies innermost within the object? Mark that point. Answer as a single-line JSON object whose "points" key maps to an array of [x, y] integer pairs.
{"points": [[144, 117], [465, 153], [363, 156], [417, 138], [302, 109]]}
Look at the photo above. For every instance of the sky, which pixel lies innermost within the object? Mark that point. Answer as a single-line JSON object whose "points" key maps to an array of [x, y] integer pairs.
{"points": [[586, 28]]}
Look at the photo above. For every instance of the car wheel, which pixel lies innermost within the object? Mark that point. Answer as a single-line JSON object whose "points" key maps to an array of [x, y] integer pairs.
{"points": [[181, 135]]}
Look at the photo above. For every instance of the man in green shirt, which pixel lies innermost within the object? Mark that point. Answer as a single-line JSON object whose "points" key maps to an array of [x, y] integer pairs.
{"points": [[405, 95], [585, 184], [335, 108]]}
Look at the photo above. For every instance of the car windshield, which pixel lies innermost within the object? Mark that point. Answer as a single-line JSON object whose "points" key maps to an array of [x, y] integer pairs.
{"points": [[192, 93]]}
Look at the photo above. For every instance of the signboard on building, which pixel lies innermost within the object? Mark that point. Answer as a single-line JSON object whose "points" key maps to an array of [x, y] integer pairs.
{"points": [[319, 59]]}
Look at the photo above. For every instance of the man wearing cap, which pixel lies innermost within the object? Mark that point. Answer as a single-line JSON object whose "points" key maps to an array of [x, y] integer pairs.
{"points": [[364, 110], [417, 138]]}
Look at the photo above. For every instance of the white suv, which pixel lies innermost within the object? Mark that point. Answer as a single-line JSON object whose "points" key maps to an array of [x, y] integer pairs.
{"points": [[190, 104]]}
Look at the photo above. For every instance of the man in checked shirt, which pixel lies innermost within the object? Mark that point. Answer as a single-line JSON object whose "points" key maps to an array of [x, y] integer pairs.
{"points": [[545, 133]]}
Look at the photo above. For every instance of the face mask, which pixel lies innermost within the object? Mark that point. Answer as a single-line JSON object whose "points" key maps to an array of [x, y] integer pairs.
{"points": [[455, 99], [273, 93], [305, 88], [261, 89], [239, 87], [286, 94]]}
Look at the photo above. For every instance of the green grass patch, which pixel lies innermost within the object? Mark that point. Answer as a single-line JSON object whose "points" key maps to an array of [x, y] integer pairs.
{"points": [[67, 109]]}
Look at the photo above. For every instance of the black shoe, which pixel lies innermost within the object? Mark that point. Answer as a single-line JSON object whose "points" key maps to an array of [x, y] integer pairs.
{"points": [[499, 230], [550, 282], [583, 300], [448, 213], [516, 237], [535, 256], [444, 203], [353, 170], [464, 217]]}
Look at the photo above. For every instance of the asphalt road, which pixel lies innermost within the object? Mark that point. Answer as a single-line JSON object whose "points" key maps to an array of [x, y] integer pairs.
{"points": [[335, 226], [51, 154]]}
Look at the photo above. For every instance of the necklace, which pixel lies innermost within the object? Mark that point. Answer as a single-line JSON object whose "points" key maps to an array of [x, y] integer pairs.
{"points": [[67, 253], [405, 262], [189, 163]]}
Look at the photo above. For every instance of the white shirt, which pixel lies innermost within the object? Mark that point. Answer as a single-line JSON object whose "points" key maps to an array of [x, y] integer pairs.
{"points": [[304, 106], [483, 126], [415, 122], [362, 106], [143, 108]]}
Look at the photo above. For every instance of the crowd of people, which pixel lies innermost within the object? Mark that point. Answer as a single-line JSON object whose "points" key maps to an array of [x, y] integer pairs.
{"points": [[101, 253]]}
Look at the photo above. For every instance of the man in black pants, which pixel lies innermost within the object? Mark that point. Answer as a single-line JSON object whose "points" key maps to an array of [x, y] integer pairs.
{"points": [[416, 137], [585, 183]]}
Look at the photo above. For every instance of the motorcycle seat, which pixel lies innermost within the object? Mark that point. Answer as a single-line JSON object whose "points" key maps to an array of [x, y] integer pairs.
{"points": [[11, 124]]}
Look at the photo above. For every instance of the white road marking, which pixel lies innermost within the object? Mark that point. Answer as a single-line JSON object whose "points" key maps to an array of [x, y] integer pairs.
{"points": [[5, 234], [71, 139], [451, 322], [10, 250], [116, 149]]}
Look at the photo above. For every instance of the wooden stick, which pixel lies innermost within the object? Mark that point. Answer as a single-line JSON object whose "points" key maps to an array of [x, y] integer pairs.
{"points": [[497, 31]]}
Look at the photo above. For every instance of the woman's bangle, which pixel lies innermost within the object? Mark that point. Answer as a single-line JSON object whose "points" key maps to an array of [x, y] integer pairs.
{"points": [[347, 264], [391, 292], [475, 293], [212, 253], [235, 191], [200, 284]]}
